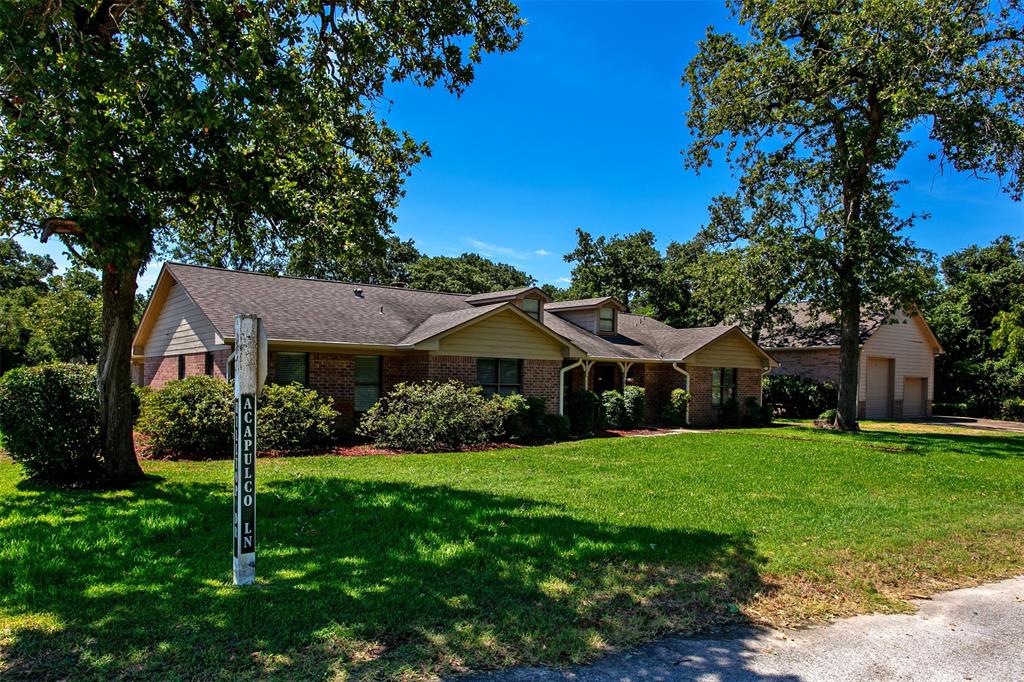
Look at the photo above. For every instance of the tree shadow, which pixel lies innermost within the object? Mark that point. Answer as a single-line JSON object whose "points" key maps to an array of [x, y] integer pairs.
{"points": [[372, 579], [980, 445]]}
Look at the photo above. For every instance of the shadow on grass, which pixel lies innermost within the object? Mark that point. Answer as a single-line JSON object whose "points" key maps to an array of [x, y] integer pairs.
{"points": [[996, 446], [372, 579]]}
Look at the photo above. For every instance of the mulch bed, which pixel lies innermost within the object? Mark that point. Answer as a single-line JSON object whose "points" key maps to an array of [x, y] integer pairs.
{"points": [[626, 433]]}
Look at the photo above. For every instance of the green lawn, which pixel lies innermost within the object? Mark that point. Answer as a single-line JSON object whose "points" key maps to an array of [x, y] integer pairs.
{"points": [[386, 567]]}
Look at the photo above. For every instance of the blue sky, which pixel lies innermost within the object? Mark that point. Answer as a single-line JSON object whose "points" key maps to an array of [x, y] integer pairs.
{"points": [[583, 127]]}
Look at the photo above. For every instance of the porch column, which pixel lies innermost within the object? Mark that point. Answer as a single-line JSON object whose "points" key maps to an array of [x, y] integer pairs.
{"points": [[625, 367], [587, 364]]}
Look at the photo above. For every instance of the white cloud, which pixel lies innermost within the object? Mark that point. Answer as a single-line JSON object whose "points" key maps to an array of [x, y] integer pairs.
{"points": [[542, 252], [564, 280], [494, 250]]}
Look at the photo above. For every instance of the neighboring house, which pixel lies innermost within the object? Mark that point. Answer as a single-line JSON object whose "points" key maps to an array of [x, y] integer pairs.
{"points": [[354, 342], [897, 358]]}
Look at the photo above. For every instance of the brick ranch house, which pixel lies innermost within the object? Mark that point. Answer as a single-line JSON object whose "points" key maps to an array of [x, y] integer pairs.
{"points": [[897, 359], [354, 342]]}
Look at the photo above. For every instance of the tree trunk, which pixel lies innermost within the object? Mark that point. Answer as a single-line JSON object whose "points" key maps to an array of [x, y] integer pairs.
{"points": [[849, 357], [113, 375]]}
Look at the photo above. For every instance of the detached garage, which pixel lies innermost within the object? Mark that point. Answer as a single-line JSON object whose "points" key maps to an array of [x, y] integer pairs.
{"points": [[897, 361]]}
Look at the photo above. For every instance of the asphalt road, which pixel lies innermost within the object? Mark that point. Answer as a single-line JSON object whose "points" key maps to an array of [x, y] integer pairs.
{"points": [[970, 634]]}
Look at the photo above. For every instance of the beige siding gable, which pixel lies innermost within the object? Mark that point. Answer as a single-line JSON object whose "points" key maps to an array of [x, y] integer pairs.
{"points": [[181, 327], [502, 335], [729, 350], [906, 342]]}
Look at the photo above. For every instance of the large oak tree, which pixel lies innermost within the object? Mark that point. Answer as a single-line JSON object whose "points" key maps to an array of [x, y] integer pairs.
{"points": [[816, 104], [246, 127]]}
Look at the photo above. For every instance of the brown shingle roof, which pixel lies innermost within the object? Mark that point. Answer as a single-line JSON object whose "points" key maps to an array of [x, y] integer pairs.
{"points": [[324, 311], [582, 303], [504, 295], [295, 309], [810, 329]]}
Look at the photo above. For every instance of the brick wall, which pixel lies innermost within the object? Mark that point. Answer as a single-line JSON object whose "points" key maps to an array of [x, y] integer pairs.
{"points": [[540, 378], [702, 412], [333, 375], [157, 371], [446, 367], [816, 365]]}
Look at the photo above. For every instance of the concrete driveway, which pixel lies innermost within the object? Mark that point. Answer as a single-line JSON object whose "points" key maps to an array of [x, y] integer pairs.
{"points": [[969, 634], [973, 423]]}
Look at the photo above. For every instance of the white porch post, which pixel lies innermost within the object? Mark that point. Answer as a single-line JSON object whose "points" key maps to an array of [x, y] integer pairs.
{"points": [[625, 367]]}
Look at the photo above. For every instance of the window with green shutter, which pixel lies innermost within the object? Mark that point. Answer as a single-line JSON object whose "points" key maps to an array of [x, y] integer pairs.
{"points": [[499, 375], [367, 380], [292, 368]]}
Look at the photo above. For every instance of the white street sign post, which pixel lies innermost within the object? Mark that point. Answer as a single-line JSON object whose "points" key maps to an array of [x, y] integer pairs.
{"points": [[250, 371]]}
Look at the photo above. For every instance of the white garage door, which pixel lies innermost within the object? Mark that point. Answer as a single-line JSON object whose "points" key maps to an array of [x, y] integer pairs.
{"points": [[914, 392], [878, 391]]}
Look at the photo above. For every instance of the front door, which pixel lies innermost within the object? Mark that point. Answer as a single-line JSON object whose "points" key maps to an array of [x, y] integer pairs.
{"points": [[604, 378]]}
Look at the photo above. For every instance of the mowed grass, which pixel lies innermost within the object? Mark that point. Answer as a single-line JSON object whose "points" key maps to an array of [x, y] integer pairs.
{"points": [[424, 565]]}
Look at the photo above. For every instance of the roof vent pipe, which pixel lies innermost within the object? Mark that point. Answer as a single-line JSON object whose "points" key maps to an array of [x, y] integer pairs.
{"points": [[358, 293]]}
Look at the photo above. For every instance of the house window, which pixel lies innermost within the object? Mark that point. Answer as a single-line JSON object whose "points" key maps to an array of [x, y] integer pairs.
{"points": [[499, 376], [723, 385], [181, 366], [292, 368], [209, 364], [606, 321], [531, 306], [367, 381]]}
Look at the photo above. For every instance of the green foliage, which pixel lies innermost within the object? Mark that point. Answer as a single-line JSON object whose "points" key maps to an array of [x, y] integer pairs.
{"points": [[951, 409], [21, 269], [191, 416], [585, 411], [1013, 409], [293, 418], [49, 416], [1008, 336], [434, 416], [828, 417], [634, 400], [613, 406], [469, 273], [814, 114], [674, 411], [756, 413], [980, 284], [796, 397], [729, 413], [628, 268], [529, 420]]}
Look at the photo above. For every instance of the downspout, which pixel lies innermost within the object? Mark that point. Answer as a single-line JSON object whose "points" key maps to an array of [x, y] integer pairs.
{"points": [[561, 385], [676, 367]]}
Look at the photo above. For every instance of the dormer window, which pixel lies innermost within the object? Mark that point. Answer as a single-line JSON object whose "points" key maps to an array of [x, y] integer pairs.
{"points": [[606, 321], [531, 306]]}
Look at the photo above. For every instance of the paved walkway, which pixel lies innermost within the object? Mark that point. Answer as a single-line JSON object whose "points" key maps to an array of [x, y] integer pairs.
{"points": [[973, 423], [969, 634]]}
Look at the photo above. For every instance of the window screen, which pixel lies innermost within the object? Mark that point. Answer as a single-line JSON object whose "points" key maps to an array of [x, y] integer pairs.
{"points": [[292, 368], [367, 381], [501, 376], [607, 321], [723, 385], [531, 307]]}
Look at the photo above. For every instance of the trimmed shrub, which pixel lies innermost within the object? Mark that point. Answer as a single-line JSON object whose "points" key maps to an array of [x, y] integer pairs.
{"points": [[614, 406], [796, 397], [433, 417], [635, 399], [756, 414], [556, 426], [585, 412], [1012, 409], [190, 416], [293, 418], [729, 414], [674, 412], [50, 419], [529, 420], [828, 417], [951, 409]]}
